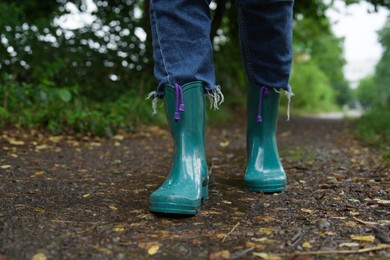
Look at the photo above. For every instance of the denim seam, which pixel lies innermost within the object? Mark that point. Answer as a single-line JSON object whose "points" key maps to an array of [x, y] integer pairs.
{"points": [[160, 46], [245, 44]]}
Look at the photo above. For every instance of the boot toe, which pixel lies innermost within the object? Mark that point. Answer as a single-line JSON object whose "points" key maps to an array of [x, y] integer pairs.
{"points": [[161, 202], [267, 182]]}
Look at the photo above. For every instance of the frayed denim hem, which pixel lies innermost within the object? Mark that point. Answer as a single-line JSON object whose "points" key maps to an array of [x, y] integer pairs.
{"points": [[213, 93], [289, 95]]}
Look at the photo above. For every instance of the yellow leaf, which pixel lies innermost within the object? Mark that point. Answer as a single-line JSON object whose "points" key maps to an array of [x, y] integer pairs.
{"points": [[224, 144], [39, 256], [118, 229], [56, 139], [266, 231], [5, 166], [309, 211], [153, 249], [39, 173], [15, 142], [263, 239], [363, 238], [220, 235], [118, 137], [266, 256], [351, 223], [382, 201], [255, 245], [351, 244], [224, 254], [354, 213], [86, 195], [113, 207], [306, 245], [41, 147]]}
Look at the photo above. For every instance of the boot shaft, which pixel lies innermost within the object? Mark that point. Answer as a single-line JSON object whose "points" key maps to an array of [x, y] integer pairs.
{"points": [[189, 124]]}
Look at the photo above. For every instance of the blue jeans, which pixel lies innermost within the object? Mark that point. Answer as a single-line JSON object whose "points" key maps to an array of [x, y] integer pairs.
{"points": [[182, 48]]}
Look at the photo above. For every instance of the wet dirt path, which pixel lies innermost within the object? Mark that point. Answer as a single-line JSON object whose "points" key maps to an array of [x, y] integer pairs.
{"points": [[75, 197]]}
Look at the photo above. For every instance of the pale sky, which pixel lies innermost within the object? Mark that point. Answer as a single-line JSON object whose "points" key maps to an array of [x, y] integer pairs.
{"points": [[359, 27]]}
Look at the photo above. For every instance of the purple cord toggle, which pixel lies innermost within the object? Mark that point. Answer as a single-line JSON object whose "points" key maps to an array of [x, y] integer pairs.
{"points": [[263, 93], [179, 106]]}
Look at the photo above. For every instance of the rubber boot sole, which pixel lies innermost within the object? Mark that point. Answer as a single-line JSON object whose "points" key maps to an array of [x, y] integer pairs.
{"points": [[181, 208], [266, 188]]}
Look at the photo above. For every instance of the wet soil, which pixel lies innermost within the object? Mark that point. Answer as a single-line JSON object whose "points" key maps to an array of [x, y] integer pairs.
{"points": [[80, 197]]}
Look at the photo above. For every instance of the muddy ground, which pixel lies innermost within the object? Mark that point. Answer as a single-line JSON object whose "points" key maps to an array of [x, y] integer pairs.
{"points": [[80, 197]]}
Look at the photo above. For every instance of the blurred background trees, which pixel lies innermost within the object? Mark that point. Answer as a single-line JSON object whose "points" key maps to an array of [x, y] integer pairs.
{"points": [[93, 75]]}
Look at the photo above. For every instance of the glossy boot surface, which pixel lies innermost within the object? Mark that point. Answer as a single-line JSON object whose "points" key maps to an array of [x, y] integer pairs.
{"points": [[264, 170], [187, 182]]}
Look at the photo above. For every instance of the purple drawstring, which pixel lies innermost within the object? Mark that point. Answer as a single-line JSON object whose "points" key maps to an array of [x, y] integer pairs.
{"points": [[263, 93], [179, 106]]}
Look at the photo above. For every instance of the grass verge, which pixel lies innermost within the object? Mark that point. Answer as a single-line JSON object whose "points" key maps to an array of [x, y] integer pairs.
{"points": [[374, 128]]}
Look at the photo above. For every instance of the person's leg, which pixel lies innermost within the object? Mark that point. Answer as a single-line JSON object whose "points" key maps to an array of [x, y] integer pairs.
{"points": [[182, 53], [182, 49], [265, 40]]}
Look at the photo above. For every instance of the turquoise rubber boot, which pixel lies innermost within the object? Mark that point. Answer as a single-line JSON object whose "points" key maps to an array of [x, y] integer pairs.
{"points": [[187, 182], [264, 170]]}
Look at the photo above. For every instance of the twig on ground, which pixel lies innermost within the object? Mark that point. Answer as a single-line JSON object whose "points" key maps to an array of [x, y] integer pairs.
{"points": [[241, 253], [333, 252], [296, 238], [231, 231], [368, 223]]}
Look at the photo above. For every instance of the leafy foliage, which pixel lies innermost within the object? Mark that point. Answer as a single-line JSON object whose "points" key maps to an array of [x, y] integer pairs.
{"points": [[374, 94], [106, 60]]}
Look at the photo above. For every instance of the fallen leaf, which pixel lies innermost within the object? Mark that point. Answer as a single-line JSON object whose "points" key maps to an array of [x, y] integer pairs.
{"points": [[86, 195], [354, 213], [118, 229], [118, 137], [263, 239], [41, 147], [306, 245], [350, 244], [224, 144], [363, 238], [351, 224], [309, 211], [339, 217], [39, 256], [267, 256], [113, 207], [15, 142], [384, 222], [224, 254], [220, 235], [380, 201], [153, 249], [5, 166], [255, 245], [39, 173], [266, 231]]}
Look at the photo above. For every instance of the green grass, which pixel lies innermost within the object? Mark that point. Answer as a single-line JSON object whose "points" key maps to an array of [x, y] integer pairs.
{"points": [[374, 128]]}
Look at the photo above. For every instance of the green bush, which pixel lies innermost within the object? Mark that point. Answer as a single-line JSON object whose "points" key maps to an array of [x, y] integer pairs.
{"points": [[64, 109], [312, 91], [374, 127]]}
